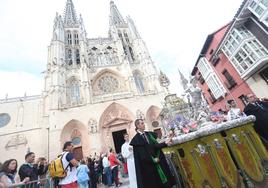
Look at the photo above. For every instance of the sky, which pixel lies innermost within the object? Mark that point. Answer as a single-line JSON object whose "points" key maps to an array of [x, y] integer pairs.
{"points": [[173, 30]]}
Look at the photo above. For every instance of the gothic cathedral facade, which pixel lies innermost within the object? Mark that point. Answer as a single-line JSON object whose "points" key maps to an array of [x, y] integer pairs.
{"points": [[94, 89]]}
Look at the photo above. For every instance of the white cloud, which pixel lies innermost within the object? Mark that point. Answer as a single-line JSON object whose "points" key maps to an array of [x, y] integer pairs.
{"points": [[173, 30], [17, 84]]}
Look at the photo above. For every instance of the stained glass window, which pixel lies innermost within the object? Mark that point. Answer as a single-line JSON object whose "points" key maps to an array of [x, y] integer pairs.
{"points": [[4, 119], [108, 84]]}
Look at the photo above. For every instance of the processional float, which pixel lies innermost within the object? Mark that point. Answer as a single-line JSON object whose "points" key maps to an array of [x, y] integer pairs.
{"points": [[211, 154]]}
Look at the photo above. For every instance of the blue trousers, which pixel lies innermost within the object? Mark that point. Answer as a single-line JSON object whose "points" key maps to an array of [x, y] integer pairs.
{"points": [[83, 184], [108, 174]]}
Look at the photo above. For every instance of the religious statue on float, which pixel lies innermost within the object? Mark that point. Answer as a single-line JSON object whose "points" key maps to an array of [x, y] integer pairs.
{"points": [[197, 103]]}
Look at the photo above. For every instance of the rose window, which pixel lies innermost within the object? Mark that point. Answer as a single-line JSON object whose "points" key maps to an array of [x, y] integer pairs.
{"points": [[108, 84]]}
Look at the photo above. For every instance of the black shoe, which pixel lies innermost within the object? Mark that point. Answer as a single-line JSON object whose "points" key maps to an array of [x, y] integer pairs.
{"points": [[118, 185]]}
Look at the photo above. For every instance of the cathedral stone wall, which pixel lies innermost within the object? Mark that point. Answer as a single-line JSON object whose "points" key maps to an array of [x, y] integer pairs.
{"points": [[95, 137], [46, 137], [94, 89], [24, 131]]}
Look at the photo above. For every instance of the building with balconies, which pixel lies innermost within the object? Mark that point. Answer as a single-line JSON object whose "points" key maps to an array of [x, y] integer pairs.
{"points": [[245, 45], [217, 78], [234, 59]]}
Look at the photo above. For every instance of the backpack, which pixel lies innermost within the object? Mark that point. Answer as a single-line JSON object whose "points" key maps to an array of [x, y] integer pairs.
{"points": [[56, 168]]}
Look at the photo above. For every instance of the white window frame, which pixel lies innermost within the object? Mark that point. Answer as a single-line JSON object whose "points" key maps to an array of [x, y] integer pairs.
{"points": [[249, 49], [214, 84], [260, 4]]}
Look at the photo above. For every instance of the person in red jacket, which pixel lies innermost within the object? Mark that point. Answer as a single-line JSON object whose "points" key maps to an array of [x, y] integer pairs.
{"points": [[114, 163]]}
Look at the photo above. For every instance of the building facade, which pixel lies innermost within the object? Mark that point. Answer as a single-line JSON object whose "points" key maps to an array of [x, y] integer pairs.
{"points": [[238, 63], [94, 89], [217, 78], [246, 45]]}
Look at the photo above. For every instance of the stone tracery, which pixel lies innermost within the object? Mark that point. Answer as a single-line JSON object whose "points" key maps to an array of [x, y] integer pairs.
{"points": [[73, 90], [115, 112], [16, 140], [108, 83], [92, 125], [105, 57]]}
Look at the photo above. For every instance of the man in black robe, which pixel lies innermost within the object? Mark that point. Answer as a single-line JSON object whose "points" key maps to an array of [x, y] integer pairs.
{"points": [[152, 170], [259, 109]]}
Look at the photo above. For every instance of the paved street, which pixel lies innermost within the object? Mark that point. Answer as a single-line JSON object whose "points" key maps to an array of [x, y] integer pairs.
{"points": [[125, 182]]}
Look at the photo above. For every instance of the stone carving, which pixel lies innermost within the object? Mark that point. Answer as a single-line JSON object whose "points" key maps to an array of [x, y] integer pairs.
{"points": [[102, 58], [16, 140], [153, 113], [20, 115], [92, 126], [108, 84], [140, 114], [108, 118], [75, 133], [164, 81], [124, 115], [115, 114]]}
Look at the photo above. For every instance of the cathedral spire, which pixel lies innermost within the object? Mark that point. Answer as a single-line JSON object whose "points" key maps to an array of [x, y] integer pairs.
{"points": [[58, 29], [183, 80], [82, 27], [70, 18], [115, 16], [133, 27]]}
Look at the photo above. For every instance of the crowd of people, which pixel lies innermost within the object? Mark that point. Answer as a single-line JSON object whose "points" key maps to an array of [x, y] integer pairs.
{"points": [[141, 158], [30, 171], [255, 106], [86, 173]]}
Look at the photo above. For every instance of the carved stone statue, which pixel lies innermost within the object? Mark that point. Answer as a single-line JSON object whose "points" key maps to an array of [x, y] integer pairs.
{"points": [[140, 114], [164, 81], [92, 126]]}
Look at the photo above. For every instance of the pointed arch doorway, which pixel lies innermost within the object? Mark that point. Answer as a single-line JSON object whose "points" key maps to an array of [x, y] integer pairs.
{"points": [[114, 122], [76, 132], [118, 138]]}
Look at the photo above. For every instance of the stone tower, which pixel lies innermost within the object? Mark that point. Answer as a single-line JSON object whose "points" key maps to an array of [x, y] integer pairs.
{"points": [[97, 84], [80, 71]]}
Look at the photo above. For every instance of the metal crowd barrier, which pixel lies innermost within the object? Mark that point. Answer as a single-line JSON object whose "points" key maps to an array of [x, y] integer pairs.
{"points": [[41, 183]]}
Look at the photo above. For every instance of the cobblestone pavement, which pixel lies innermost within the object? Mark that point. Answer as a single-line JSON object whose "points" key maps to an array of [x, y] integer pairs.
{"points": [[125, 184]]}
